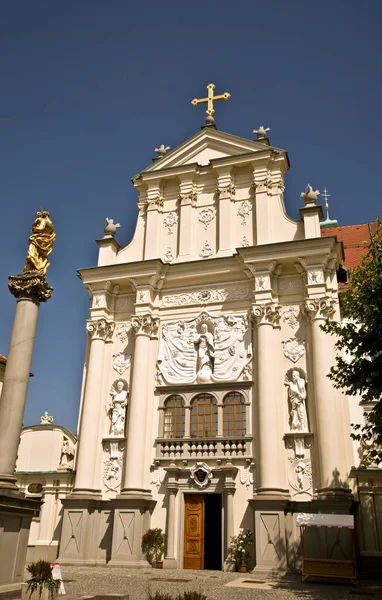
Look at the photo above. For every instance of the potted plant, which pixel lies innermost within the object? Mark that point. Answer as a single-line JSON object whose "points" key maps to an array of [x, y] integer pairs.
{"points": [[240, 545], [153, 544], [41, 585]]}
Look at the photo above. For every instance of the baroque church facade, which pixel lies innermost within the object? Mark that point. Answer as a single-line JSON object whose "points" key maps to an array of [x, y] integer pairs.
{"points": [[206, 406]]}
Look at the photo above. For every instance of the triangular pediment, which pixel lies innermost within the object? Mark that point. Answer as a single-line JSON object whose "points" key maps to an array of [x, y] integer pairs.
{"points": [[205, 146]]}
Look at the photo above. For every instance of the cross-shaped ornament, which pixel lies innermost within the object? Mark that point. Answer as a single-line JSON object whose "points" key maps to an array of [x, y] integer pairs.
{"points": [[210, 99]]}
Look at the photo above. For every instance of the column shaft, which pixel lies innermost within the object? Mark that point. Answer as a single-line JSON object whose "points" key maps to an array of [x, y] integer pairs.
{"points": [[170, 553], [16, 381], [330, 439], [88, 439], [229, 524], [271, 477], [134, 474]]}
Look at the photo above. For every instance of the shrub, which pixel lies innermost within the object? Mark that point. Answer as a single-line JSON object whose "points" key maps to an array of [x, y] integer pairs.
{"points": [[41, 576], [153, 543]]}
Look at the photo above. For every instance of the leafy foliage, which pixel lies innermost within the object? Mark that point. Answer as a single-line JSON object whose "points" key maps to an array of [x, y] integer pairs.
{"points": [[153, 544], [240, 545], [41, 576], [358, 368]]}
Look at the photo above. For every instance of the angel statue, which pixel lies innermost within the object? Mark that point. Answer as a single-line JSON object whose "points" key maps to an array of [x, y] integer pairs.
{"points": [[40, 244], [297, 396], [116, 408]]}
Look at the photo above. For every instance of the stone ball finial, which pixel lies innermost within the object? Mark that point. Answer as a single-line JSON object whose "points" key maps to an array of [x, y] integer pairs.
{"points": [[210, 120], [111, 227], [161, 151], [261, 132], [310, 197]]}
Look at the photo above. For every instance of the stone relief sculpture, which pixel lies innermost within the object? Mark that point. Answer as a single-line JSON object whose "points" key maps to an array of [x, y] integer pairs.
{"points": [[204, 349], [121, 362], [116, 409], [300, 476], [113, 466], [295, 380], [294, 349], [67, 454]]}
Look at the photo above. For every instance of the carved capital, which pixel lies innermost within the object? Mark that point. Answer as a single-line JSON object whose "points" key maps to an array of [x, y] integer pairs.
{"points": [[100, 329], [145, 325], [268, 313], [321, 308], [30, 286], [188, 198]]}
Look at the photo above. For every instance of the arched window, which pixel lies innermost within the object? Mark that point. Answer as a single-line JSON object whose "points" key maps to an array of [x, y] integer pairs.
{"points": [[204, 416], [173, 423], [234, 415]]}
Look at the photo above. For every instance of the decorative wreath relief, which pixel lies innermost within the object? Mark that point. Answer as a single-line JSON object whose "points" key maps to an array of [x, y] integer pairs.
{"points": [[170, 221], [168, 257], [294, 349], [206, 251], [244, 211], [206, 216]]}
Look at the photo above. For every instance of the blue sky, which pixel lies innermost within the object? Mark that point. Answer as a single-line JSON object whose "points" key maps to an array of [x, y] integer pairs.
{"points": [[91, 87]]}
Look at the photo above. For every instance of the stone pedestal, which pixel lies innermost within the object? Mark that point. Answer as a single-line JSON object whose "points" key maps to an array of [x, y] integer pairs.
{"points": [[16, 514], [131, 520], [86, 531], [270, 533]]}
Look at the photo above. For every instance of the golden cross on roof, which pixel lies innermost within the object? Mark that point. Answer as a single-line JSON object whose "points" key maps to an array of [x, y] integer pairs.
{"points": [[210, 99]]}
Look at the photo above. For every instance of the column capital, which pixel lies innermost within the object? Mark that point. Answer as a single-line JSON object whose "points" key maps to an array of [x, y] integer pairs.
{"points": [[30, 286], [319, 308], [100, 329], [268, 313], [145, 324]]}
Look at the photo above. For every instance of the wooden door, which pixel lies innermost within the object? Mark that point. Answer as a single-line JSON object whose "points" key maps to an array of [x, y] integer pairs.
{"points": [[194, 531]]}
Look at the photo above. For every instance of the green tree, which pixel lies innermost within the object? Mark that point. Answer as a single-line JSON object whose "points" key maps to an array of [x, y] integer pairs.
{"points": [[358, 368]]}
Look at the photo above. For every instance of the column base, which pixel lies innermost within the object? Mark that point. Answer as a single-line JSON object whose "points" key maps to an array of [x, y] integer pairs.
{"points": [[170, 563], [8, 482], [271, 493], [132, 515]]}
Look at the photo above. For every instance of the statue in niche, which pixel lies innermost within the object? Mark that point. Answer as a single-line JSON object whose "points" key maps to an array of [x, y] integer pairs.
{"points": [[204, 342], [116, 408], [295, 380], [67, 454]]}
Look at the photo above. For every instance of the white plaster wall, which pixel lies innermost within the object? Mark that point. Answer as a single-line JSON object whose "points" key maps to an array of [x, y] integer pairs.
{"points": [[39, 450]]}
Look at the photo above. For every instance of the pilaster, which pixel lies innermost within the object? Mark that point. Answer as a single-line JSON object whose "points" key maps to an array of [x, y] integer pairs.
{"points": [[100, 331], [327, 402], [187, 212]]}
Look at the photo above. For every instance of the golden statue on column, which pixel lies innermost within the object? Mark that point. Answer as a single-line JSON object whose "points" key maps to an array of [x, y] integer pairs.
{"points": [[40, 243], [31, 284]]}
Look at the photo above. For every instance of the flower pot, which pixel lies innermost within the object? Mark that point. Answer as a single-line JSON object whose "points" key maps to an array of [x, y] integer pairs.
{"points": [[243, 569], [159, 564], [41, 593]]}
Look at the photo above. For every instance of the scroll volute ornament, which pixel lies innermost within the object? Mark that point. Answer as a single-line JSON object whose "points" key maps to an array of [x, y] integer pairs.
{"points": [[100, 329], [269, 313], [145, 325], [321, 308]]}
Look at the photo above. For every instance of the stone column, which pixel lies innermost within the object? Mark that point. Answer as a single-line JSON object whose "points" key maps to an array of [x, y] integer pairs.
{"points": [[135, 477], [271, 476], [229, 524], [327, 402], [170, 560], [99, 331], [30, 289]]}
